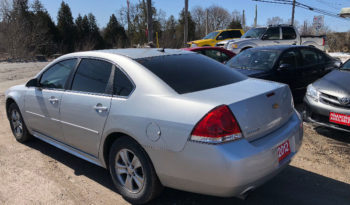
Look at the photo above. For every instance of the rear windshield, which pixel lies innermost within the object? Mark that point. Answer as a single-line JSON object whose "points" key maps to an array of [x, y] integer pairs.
{"points": [[191, 72]]}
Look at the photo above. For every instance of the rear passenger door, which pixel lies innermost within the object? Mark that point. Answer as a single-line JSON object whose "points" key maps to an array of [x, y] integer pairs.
{"points": [[85, 106], [289, 36], [310, 69]]}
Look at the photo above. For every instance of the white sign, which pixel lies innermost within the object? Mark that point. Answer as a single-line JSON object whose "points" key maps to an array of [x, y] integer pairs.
{"points": [[318, 22]]}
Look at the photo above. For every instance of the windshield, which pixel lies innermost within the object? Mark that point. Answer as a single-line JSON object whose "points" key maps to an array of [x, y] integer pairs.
{"points": [[211, 35], [346, 66], [253, 59], [254, 33]]}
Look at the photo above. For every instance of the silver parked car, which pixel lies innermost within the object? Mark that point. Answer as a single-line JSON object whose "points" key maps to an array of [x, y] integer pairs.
{"points": [[159, 118], [327, 101]]}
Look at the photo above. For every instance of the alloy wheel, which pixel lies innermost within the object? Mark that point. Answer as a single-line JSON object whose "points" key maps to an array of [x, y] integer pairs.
{"points": [[17, 123], [129, 170]]}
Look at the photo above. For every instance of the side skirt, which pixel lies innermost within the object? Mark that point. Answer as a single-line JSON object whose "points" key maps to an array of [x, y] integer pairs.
{"points": [[69, 149]]}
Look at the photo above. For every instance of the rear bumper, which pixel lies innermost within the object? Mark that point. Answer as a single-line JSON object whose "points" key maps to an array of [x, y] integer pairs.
{"points": [[318, 113], [228, 169]]}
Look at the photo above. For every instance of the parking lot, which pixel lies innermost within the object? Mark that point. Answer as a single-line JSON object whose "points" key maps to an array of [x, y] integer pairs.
{"points": [[38, 173]]}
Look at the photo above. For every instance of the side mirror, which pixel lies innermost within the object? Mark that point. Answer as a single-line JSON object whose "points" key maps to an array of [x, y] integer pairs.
{"points": [[220, 38], [33, 83], [264, 37], [284, 67]]}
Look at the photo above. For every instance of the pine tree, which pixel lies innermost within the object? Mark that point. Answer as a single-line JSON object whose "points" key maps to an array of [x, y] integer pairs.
{"points": [[66, 28], [114, 34]]}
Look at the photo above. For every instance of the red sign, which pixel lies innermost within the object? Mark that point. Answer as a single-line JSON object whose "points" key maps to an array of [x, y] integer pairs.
{"points": [[283, 150], [339, 118]]}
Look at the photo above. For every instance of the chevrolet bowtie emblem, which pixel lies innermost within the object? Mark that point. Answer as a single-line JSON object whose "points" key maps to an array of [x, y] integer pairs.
{"points": [[275, 106]]}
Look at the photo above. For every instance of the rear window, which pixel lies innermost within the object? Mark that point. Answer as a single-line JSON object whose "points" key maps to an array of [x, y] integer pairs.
{"points": [[191, 72]]}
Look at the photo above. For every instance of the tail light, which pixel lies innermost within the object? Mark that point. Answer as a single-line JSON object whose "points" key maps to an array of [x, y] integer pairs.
{"points": [[324, 41], [218, 126]]}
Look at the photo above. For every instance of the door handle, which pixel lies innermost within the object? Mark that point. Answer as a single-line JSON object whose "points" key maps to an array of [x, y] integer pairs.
{"points": [[276, 42], [53, 100], [99, 108]]}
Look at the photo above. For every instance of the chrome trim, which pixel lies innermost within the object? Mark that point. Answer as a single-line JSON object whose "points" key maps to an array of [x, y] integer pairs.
{"points": [[36, 114], [78, 126]]}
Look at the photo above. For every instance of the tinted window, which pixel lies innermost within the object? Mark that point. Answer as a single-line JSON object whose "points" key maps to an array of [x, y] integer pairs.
{"points": [[289, 58], [323, 58], [288, 33], [273, 33], [216, 55], [230, 34], [92, 76], [57, 75], [191, 72], [122, 86], [309, 56]]}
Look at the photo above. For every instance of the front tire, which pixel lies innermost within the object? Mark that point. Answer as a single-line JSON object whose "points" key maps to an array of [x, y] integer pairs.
{"points": [[17, 124], [132, 172]]}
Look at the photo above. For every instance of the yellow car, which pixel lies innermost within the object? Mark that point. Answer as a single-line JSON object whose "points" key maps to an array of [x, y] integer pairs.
{"points": [[216, 36]]}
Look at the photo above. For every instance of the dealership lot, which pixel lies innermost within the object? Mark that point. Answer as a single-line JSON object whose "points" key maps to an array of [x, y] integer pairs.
{"points": [[40, 173]]}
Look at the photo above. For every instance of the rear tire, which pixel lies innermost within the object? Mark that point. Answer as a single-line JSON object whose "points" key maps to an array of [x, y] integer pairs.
{"points": [[18, 127], [132, 172]]}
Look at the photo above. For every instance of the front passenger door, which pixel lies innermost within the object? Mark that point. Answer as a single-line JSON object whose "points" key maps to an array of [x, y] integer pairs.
{"points": [[85, 107], [42, 104], [272, 36]]}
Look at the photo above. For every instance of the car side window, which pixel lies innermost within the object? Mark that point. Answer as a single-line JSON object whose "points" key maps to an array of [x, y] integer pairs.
{"points": [[235, 34], [289, 58], [56, 76], [223, 35], [309, 57], [122, 86], [92, 76], [323, 58], [288, 33], [272, 33]]}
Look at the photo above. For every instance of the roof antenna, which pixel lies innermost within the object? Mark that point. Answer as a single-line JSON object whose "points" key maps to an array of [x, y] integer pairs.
{"points": [[161, 50]]}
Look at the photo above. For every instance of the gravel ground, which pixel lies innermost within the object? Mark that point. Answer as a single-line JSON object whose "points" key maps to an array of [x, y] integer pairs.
{"points": [[38, 173]]}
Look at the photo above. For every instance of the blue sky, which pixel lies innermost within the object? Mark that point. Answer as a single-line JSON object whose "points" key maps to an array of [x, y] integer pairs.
{"points": [[102, 9]]}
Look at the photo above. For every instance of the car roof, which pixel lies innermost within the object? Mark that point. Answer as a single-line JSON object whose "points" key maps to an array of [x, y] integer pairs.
{"points": [[279, 47], [135, 53]]}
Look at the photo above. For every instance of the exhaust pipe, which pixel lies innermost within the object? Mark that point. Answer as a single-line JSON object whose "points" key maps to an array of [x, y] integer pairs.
{"points": [[244, 194]]}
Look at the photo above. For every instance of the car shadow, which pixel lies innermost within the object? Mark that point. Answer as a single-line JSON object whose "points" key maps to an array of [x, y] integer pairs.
{"points": [[338, 135], [291, 186]]}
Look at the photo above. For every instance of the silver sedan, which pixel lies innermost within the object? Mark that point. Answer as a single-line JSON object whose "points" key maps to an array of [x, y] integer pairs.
{"points": [[159, 118]]}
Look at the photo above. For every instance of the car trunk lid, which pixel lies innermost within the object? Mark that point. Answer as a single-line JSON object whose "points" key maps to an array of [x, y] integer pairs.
{"points": [[259, 106]]}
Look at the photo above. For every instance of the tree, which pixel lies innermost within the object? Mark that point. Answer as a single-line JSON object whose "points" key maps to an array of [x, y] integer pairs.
{"points": [[45, 34], [114, 34], [274, 21], [66, 28], [219, 18], [236, 20], [181, 25]]}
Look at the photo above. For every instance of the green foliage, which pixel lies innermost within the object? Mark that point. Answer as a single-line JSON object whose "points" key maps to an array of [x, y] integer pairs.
{"points": [[114, 34], [66, 28]]}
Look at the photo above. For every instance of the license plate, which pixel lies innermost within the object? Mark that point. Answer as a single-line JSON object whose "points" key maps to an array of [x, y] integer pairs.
{"points": [[339, 118], [283, 150]]}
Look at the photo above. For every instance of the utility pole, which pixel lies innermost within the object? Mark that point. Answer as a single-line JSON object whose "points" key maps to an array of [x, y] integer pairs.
{"points": [[256, 16], [186, 22], [206, 22], [293, 11], [243, 20], [128, 14], [149, 21]]}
